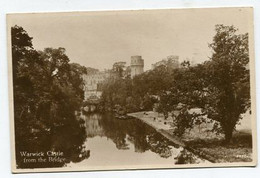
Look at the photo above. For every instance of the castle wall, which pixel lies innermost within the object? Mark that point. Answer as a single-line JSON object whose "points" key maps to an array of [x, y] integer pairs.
{"points": [[91, 82], [171, 62]]}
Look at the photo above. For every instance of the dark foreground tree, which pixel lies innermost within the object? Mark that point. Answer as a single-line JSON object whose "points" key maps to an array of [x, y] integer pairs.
{"points": [[228, 79], [47, 92]]}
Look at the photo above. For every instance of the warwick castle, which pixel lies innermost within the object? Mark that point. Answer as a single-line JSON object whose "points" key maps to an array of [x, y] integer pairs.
{"points": [[93, 80]]}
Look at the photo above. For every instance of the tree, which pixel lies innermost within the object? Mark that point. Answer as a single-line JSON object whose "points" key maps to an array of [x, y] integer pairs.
{"points": [[186, 91], [220, 86], [23, 59], [119, 68], [21, 46], [47, 92], [165, 105], [147, 102], [117, 91], [228, 79], [61, 92]]}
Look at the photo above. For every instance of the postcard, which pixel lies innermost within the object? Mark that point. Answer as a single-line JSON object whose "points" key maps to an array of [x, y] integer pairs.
{"points": [[132, 89]]}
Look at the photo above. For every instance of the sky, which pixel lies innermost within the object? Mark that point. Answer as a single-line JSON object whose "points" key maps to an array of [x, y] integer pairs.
{"points": [[98, 39]]}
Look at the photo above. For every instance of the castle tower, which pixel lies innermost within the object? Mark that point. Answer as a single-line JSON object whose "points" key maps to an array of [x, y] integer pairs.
{"points": [[137, 65]]}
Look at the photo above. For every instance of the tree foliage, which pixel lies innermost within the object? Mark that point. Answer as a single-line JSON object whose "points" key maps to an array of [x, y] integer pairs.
{"points": [[228, 79], [47, 92], [219, 87]]}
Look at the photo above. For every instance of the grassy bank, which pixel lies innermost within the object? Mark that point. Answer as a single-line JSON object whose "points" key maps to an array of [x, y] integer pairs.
{"points": [[202, 141]]}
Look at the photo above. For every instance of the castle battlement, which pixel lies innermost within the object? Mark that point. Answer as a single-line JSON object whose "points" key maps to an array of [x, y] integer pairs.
{"points": [[137, 60]]}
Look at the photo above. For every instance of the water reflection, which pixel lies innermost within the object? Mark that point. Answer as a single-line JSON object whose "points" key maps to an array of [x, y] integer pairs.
{"points": [[67, 138], [128, 142], [92, 125], [185, 157], [136, 132], [101, 140]]}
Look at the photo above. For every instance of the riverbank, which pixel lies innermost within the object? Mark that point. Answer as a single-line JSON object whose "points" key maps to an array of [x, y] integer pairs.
{"points": [[201, 141]]}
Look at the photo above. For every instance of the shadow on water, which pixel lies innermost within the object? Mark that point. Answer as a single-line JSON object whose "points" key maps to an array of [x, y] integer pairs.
{"points": [[54, 147], [71, 139], [142, 136]]}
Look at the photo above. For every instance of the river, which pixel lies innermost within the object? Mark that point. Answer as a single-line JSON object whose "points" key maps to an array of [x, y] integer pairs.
{"points": [[114, 143]]}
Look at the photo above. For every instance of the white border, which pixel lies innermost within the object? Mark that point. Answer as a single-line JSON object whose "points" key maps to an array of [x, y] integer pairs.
{"points": [[9, 6]]}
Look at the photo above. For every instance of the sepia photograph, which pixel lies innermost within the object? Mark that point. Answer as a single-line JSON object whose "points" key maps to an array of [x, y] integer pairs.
{"points": [[132, 89]]}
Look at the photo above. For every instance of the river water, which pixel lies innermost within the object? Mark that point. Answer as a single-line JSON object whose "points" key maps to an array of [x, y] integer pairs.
{"points": [[129, 143]]}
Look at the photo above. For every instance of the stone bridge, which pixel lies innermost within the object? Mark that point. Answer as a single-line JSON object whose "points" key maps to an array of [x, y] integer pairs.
{"points": [[91, 105]]}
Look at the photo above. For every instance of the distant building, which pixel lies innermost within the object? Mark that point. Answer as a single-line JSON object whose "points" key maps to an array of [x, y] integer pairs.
{"points": [[127, 72], [91, 70], [94, 78], [171, 62], [137, 65], [92, 81]]}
